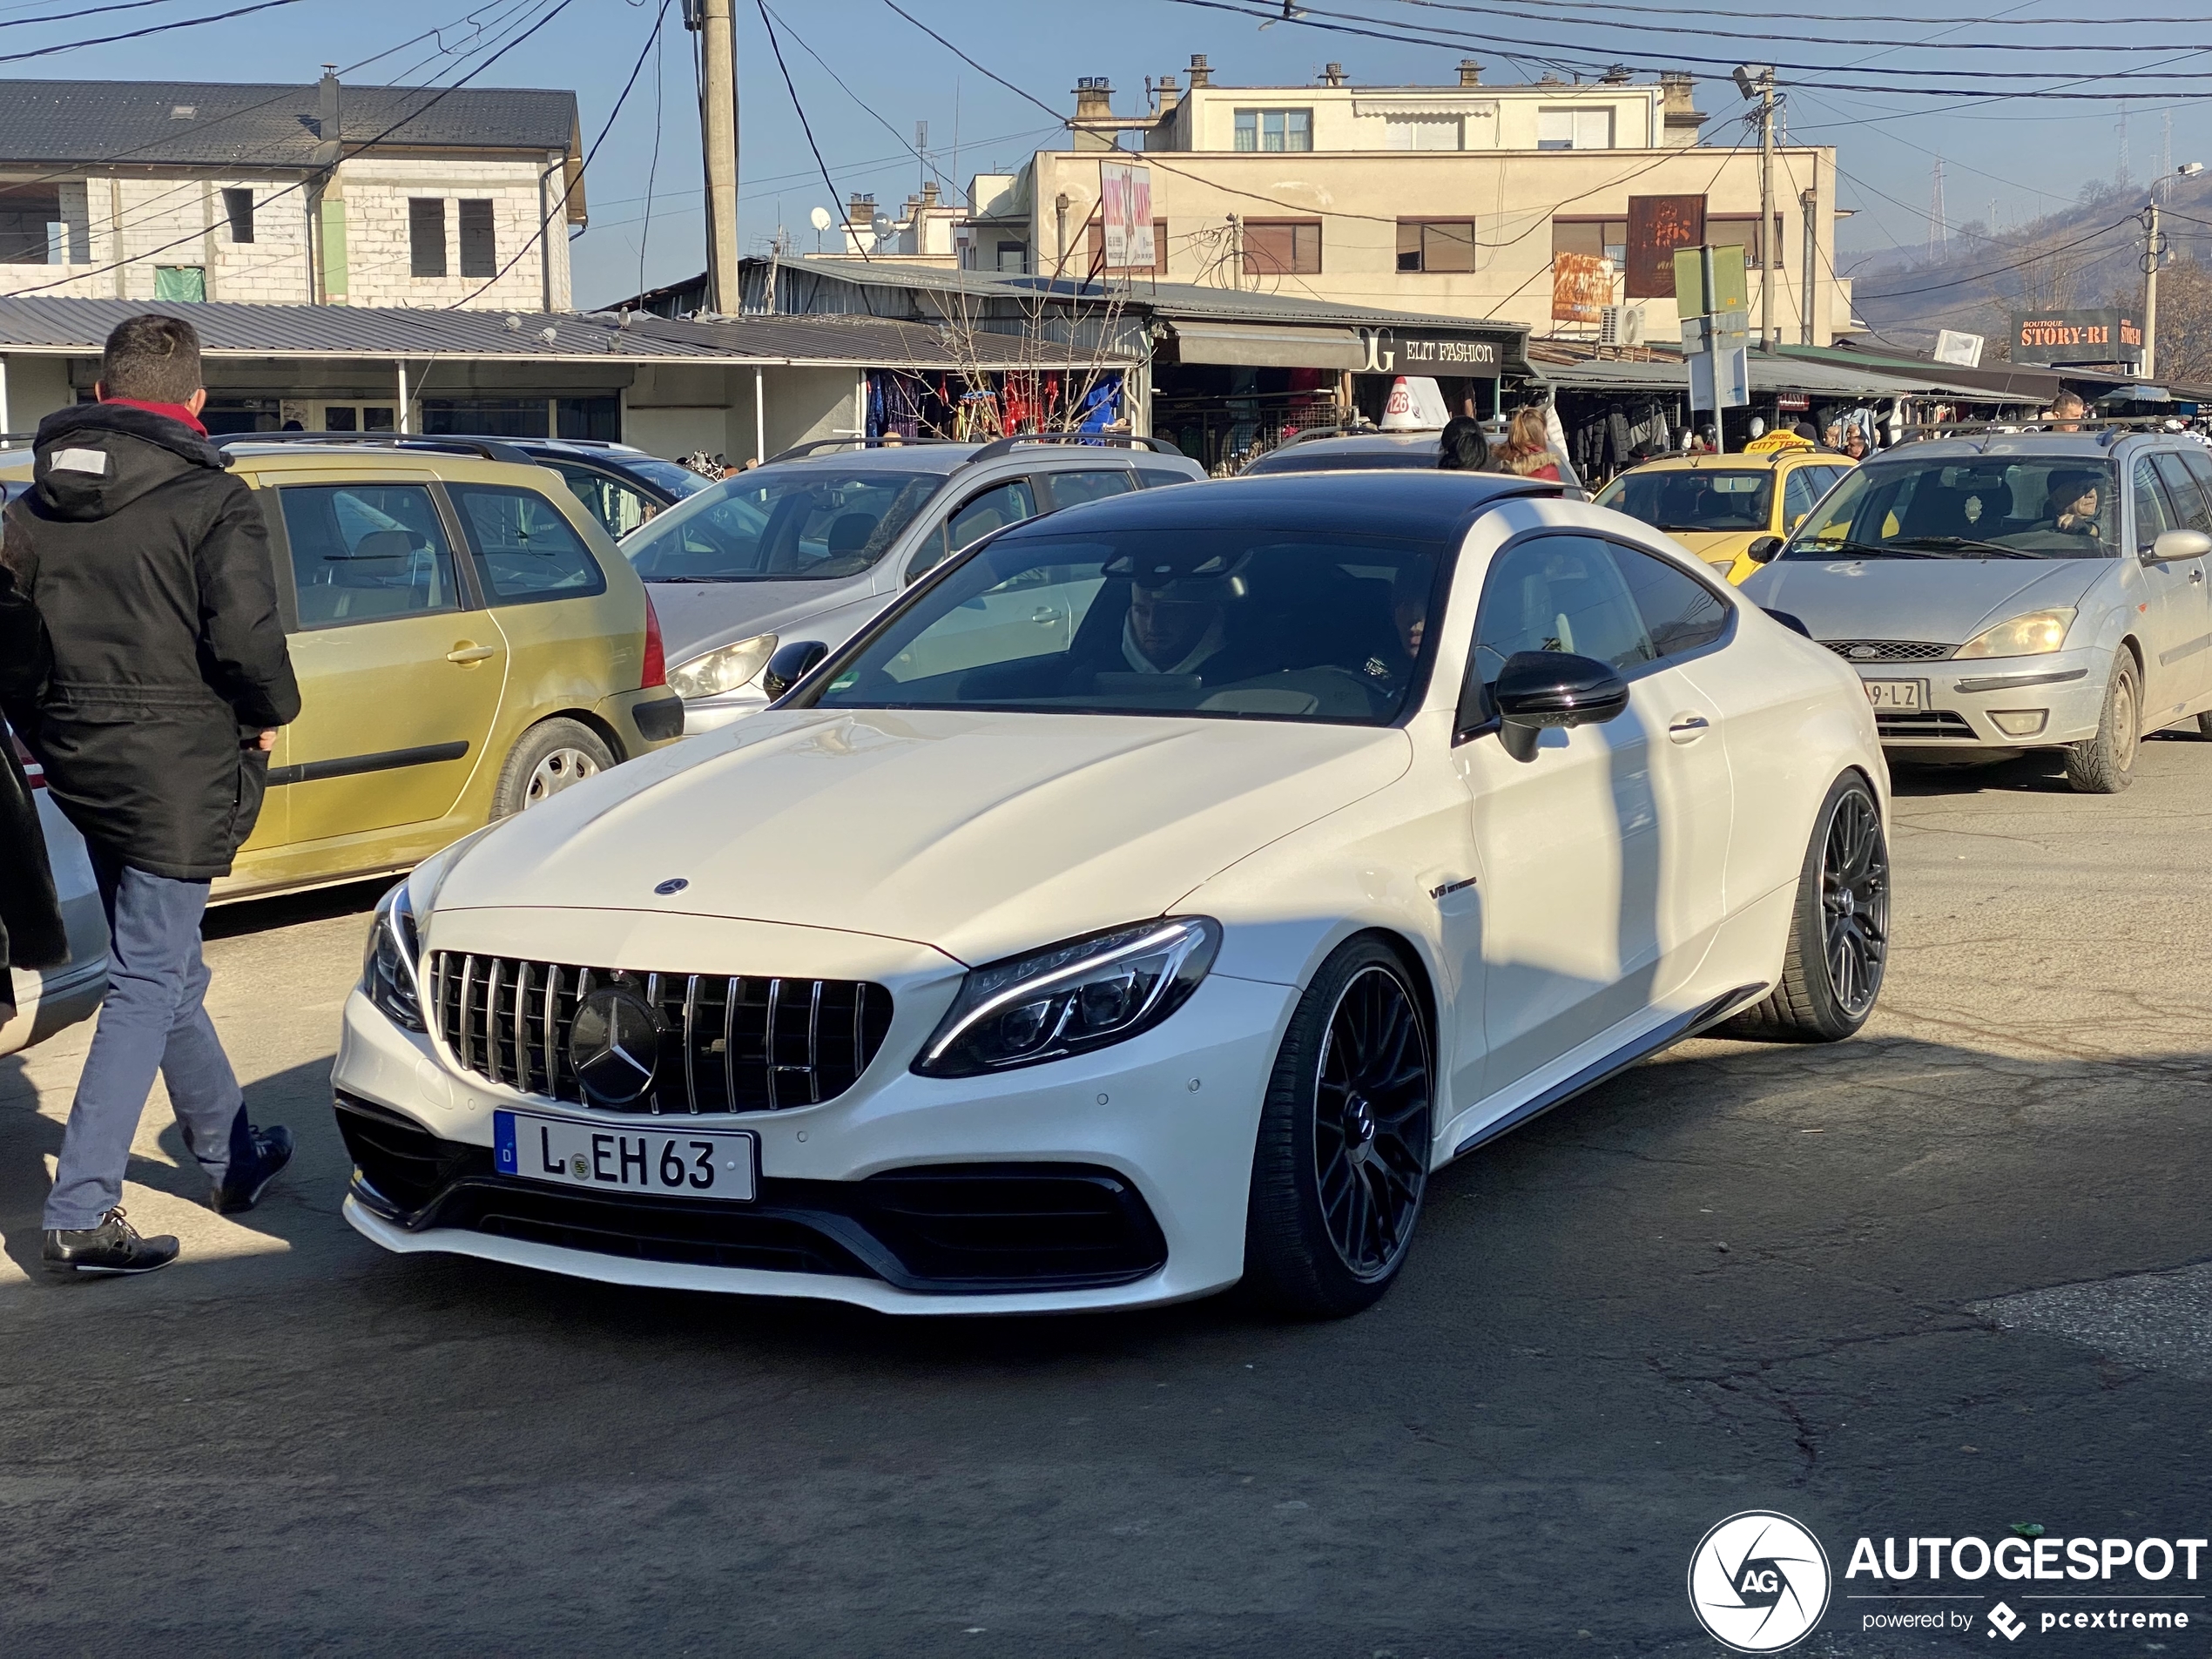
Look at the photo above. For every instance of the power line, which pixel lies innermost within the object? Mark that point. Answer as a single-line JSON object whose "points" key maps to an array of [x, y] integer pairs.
{"points": [[141, 34], [1677, 28], [805, 125], [1983, 276], [567, 187], [972, 63], [291, 189], [1606, 10]]}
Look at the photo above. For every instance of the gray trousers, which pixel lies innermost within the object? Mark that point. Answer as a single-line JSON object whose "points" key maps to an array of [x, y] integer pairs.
{"points": [[152, 1021]]}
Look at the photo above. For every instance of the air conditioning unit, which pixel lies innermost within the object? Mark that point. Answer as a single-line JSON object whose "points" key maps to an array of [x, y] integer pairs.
{"points": [[1620, 325]]}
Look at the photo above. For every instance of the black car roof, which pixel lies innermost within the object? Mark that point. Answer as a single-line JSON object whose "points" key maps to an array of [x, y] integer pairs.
{"points": [[1423, 505]]}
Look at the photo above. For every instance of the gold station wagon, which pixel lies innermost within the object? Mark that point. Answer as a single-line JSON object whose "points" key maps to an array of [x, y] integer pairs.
{"points": [[468, 641]]}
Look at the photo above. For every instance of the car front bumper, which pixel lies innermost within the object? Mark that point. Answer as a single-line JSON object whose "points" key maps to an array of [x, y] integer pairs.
{"points": [[1114, 1179], [712, 713], [1994, 702]]}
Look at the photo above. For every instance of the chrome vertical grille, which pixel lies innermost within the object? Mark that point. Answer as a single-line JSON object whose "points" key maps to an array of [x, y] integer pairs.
{"points": [[742, 1044]]}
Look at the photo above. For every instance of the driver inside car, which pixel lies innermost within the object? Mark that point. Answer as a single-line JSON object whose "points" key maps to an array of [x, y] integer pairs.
{"points": [[1176, 626], [2072, 504]]}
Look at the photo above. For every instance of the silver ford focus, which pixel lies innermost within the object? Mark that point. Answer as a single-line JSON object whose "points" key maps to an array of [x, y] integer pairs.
{"points": [[2011, 592]]}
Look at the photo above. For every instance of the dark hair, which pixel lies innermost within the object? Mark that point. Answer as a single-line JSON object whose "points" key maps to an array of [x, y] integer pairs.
{"points": [[1463, 449], [152, 358], [1806, 430]]}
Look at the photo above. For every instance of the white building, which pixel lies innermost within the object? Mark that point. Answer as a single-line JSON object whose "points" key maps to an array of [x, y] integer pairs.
{"points": [[299, 195]]}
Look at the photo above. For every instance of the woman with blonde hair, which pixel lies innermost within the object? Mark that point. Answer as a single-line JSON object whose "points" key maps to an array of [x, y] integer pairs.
{"points": [[1527, 449]]}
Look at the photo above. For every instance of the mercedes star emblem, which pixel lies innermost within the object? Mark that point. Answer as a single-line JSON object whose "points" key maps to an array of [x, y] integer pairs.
{"points": [[615, 1045]]}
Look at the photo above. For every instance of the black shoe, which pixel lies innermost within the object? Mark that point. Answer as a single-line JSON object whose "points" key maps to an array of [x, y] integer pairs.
{"points": [[244, 1183], [112, 1247]]}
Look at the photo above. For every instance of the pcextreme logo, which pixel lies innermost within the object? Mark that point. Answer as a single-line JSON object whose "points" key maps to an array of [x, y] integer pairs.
{"points": [[1758, 1581]]}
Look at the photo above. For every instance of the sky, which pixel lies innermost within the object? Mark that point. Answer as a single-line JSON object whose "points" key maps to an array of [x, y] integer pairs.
{"points": [[877, 75]]}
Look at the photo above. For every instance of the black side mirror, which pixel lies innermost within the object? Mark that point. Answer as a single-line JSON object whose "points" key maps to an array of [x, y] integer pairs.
{"points": [[1537, 688], [1762, 550], [790, 664]]}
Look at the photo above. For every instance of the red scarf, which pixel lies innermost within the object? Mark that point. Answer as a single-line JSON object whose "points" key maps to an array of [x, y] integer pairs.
{"points": [[176, 412]]}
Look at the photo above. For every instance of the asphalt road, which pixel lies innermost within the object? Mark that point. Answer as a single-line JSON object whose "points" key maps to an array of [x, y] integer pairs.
{"points": [[1891, 1287]]}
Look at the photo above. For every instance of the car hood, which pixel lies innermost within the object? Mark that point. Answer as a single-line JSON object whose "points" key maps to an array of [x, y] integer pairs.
{"points": [[1714, 546], [1946, 601], [699, 616], [980, 833]]}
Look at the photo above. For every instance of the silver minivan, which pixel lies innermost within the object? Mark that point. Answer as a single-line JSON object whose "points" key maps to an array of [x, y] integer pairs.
{"points": [[805, 550]]}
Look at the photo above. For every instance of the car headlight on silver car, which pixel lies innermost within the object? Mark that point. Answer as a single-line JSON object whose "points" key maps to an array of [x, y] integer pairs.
{"points": [[1069, 998], [722, 670], [2032, 635], [389, 976]]}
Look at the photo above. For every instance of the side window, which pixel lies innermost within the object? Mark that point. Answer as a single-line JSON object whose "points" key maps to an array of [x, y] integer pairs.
{"points": [[1800, 489], [619, 508], [976, 518], [525, 549], [1557, 593], [1074, 489], [1154, 477], [2183, 491], [364, 552], [2152, 518], [1680, 613]]}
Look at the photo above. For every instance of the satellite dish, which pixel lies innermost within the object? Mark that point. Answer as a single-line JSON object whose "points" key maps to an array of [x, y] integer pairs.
{"points": [[820, 218]]}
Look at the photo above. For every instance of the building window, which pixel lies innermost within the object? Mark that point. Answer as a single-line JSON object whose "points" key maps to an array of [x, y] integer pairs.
{"points": [[179, 282], [1094, 249], [479, 244], [237, 207], [426, 236], [29, 221], [1741, 230], [1606, 239], [1425, 132], [1437, 244], [1575, 128], [1013, 257], [1275, 129], [1282, 247]]}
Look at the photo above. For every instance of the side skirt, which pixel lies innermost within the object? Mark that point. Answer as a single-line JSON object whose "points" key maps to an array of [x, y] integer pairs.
{"points": [[1651, 1042]]}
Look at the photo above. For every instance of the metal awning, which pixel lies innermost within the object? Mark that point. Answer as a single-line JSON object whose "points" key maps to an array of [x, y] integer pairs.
{"points": [[1255, 345]]}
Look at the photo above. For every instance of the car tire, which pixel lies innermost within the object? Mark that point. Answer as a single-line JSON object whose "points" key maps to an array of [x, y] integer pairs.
{"points": [[2105, 764], [1341, 1162], [1831, 971], [547, 758], [2204, 724]]}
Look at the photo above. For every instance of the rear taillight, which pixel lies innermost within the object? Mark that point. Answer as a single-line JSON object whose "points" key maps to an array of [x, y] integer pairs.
{"points": [[655, 658], [31, 769]]}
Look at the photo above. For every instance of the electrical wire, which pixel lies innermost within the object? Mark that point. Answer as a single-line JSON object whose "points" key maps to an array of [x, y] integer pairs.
{"points": [[414, 114], [1983, 276], [1677, 28], [807, 126], [141, 34], [567, 187], [823, 63], [972, 63]]}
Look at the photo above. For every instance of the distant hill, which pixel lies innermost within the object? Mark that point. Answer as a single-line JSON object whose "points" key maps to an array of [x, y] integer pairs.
{"points": [[2079, 256]]}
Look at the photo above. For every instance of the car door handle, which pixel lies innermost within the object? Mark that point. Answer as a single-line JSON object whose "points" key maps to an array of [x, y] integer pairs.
{"points": [[466, 653], [2197, 573], [1687, 728]]}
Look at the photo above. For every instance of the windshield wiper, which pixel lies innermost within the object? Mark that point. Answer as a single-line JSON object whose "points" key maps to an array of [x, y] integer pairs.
{"points": [[673, 580], [1879, 550], [1962, 544]]}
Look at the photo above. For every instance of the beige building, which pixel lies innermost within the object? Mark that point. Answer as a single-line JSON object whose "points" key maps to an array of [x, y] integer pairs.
{"points": [[1446, 200], [289, 195]]}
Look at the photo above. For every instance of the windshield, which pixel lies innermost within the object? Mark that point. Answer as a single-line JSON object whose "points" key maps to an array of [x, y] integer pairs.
{"points": [[678, 481], [1992, 507], [1693, 499], [1320, 457], [1265, 625], [793, 524]]}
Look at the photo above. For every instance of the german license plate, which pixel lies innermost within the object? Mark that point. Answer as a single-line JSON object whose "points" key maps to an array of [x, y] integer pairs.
{"points": [[1898, 694], [659, 1159]]}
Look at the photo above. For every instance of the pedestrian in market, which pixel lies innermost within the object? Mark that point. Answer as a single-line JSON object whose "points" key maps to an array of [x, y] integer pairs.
{"points": [[1527, 449], [31, 934], [148, 562], [1462, 447], [1855, 443]]}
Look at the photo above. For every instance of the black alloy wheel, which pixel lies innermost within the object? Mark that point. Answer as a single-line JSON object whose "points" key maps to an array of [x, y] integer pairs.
{"points": [[1855, 904], [1371, 1112], [1341, 1160]]}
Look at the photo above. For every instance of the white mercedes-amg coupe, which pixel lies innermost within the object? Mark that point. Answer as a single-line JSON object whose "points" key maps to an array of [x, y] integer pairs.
{"points": [[1152, 898]]}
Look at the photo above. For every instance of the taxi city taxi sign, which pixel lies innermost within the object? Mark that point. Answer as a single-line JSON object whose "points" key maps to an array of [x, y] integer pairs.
{"points": [[1778, 440]]}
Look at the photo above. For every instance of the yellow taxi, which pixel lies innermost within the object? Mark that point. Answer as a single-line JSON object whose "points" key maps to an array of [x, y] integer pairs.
{"points": [[468, 641], [1716, 506]]}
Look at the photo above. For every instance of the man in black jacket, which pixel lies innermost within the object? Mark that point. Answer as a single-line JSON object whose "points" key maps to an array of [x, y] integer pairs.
{"points": [[31, 934], [149, 563]]}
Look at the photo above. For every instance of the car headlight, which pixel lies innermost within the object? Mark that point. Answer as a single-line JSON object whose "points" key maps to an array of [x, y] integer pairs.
{"points": [[388, 966], [2029, 636], [724, 669], [1071, 997]]}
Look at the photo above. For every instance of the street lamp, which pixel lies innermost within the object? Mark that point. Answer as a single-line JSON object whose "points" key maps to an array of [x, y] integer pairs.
{"points": [[2153, 251], [1756, 80]]}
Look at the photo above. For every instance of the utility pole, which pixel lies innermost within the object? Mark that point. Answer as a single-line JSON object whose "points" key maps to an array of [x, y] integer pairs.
{"points": [[719, 139], [1808, 286], [2155, 249], [1770, 254]]}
